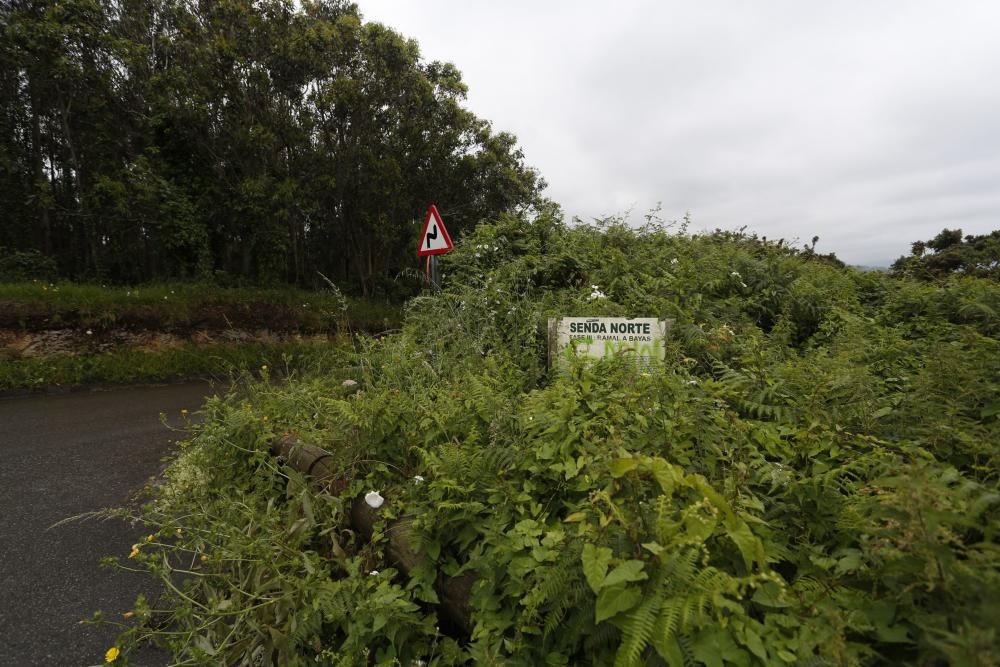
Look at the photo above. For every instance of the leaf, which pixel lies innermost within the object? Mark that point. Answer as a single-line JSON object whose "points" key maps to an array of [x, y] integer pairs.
{"points": [[753, 642], [770, 594], [630, 570], [621, 467], [595, 565], [750, 547], [670, 650], [614, 600], [654, 548], [666, 475]]}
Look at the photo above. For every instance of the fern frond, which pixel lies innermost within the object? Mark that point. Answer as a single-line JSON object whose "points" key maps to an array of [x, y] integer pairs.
{"points": [[638, 630]]}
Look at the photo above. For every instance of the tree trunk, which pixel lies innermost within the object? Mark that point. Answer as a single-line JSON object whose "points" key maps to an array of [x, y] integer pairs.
{"points": [[39, 171]]}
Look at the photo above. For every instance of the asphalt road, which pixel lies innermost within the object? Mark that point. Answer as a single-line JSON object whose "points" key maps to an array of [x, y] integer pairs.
{"points": [[61, 456]]}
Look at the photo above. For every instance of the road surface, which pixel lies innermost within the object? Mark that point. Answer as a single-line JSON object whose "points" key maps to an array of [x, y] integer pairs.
{"points": [[61, 456]]}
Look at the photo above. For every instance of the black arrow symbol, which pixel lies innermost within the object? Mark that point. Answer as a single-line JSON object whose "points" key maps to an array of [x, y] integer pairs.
{"points": [[431, 235]]}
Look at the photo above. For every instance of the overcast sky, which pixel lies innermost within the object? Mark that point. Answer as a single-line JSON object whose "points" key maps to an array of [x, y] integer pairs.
{"points": [[870, 124]]}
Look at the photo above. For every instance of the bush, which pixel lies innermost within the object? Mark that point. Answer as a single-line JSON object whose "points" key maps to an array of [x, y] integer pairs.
{"points": [[16, 266], [809, 477]]}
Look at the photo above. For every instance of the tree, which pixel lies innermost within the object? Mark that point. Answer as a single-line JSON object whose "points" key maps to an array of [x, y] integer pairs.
{"points": [[259, 140], [949, 253]]}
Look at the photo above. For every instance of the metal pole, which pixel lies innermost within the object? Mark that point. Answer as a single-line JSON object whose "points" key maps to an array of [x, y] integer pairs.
{"points": [[435, 273]]}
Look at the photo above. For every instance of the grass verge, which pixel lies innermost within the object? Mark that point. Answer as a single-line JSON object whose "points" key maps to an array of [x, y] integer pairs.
{"points": [[37, 305], [186, 362]]}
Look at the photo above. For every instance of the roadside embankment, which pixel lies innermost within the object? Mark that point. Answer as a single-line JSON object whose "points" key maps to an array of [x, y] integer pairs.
{"points": [[68, 335]]}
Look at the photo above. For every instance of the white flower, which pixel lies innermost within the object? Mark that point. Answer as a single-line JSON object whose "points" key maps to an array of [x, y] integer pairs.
{"points": [[373, 573], [596, 294], [736, 274], [89, 332], [417, 479], [477, 255], [374, 499], [692, 382], [673, 261], [743, 284]]}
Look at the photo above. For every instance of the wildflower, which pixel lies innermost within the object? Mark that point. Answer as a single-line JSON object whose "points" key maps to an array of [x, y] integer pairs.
{"points": [[150, 538], [735, 274], [374, 499], [112, 654], [179, 531], [184, 411], [134, 552], [673, 261], [692, 381], [373, 573], [90, 332], [203, 558], [417, 479], [264, 418], [743, 284], [263, 367]]}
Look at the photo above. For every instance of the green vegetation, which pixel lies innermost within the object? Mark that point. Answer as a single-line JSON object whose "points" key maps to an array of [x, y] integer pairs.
{"points": [[37, 306], [217, 362], [237, 141], [949, 253], [811, 477]]}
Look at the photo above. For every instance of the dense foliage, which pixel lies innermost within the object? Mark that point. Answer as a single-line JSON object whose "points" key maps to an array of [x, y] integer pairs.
{"points": [[950, 253], [809, 478], [253, 141]]}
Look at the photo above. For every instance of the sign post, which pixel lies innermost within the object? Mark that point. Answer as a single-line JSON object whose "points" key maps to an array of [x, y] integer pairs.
{"points": [[434, 241]]}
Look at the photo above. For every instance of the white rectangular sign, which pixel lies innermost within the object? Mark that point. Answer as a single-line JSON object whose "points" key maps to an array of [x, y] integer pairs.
{"points": [[600, 337]]}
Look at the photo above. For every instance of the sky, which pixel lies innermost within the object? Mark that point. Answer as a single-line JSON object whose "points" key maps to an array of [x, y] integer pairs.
{"points": [[870, 124]]}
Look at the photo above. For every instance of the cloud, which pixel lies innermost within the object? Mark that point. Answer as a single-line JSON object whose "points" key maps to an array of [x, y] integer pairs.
{"points": [[871, 124]]}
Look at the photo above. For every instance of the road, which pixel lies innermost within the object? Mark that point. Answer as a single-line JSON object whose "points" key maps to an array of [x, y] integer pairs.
{"points": [[61, 456]]}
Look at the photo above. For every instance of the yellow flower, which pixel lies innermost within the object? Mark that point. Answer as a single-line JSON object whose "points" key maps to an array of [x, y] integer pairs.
{"points": [[135, 551], [204, 558], [112, 654], [150, 538], [264, 367], [179, 531], [184, 411], [264, 417]]}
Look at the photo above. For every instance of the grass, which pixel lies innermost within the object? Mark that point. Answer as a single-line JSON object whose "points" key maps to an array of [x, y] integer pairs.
{"points": [[170, 306], [186, 362]]}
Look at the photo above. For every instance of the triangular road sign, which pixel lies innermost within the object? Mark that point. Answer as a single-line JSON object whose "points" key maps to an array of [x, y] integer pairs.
{"points": [[434, 240]]}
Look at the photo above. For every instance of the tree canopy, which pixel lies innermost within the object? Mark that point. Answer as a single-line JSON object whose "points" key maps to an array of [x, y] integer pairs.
{"points": [[949, 253], [251, 141]]}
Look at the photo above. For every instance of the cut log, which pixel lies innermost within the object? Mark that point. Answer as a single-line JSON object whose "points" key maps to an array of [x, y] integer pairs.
{"points": [[319, 465]]}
